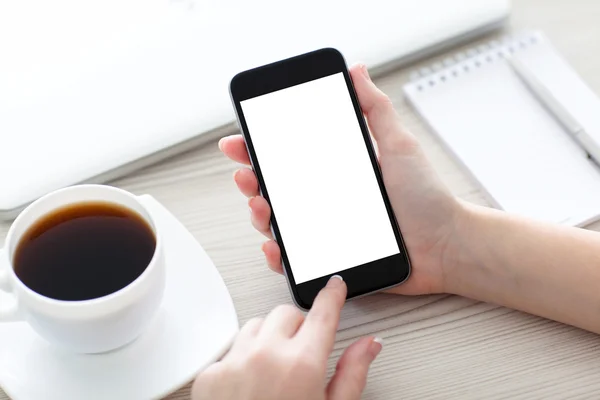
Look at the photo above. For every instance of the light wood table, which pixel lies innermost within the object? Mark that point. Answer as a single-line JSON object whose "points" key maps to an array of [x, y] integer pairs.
{"points": [[436, 347]]}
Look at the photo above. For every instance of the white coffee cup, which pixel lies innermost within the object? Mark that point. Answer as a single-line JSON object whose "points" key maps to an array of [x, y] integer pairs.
{"points": [[90, 326]]}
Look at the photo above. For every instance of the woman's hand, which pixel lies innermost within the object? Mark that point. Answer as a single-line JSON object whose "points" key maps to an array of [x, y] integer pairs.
{"points": [[426, 211], [285, 356], [484, 254]]}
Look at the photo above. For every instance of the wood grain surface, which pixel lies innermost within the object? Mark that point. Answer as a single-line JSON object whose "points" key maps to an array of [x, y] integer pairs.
{"points": [[436, 347]]}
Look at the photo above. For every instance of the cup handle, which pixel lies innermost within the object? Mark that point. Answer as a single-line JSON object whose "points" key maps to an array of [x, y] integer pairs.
{"points": [[8, 312]]}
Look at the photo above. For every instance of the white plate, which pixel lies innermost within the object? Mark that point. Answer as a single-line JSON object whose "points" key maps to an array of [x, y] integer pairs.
{"points": [[195, 326]]}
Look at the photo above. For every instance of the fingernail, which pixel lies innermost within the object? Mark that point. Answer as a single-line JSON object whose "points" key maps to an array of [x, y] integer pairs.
{"points": [[250, 204], [221, 144], [335, 280], [365, 72], [376, 346]]}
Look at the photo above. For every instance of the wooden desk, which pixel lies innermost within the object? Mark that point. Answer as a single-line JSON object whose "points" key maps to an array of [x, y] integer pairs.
{"points": [[436, 347]]}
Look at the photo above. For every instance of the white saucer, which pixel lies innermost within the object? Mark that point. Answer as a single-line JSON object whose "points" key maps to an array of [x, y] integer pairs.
{"points": [[195, 326]]}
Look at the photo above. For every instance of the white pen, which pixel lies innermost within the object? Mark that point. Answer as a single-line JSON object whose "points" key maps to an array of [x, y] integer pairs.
{"points": [[544, 96]]}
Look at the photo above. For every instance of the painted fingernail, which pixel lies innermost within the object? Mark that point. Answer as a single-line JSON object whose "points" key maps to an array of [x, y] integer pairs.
{"points": [[335, 280], [376, 346]]}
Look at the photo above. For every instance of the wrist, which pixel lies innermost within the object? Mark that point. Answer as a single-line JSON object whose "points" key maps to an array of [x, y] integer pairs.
{"points": [[462, 262]]}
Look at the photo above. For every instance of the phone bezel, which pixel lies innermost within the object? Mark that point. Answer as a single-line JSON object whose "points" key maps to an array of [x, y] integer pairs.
{"points": [[363, 279]]}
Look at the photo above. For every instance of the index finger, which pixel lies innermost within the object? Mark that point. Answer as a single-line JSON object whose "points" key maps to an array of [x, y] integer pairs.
{"points": [[234, 147], [320, 326]]}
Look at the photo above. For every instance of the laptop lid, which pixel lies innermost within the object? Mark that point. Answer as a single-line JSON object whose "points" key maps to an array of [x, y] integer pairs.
{"points": [[92, 90]]}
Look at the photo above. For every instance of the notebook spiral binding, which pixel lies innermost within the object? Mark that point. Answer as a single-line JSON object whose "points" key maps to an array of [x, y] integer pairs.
{"points": [[464, 62]]}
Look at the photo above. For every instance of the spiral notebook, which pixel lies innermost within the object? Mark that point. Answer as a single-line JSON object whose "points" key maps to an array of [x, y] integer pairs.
{"points": [[514, 148]]}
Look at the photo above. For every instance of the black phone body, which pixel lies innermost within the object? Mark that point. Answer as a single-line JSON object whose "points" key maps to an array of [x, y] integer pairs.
{"points": [[316, 166]]}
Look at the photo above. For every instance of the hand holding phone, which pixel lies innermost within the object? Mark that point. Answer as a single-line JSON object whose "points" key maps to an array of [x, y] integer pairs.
{"points": [[428, 212], [293, 114]]}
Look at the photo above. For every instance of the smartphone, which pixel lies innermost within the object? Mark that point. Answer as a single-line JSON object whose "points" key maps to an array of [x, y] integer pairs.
{"points": [[314, 159]]}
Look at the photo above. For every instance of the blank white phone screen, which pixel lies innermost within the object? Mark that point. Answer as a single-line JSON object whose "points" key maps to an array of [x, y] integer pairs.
{"points": [[319, 178]]}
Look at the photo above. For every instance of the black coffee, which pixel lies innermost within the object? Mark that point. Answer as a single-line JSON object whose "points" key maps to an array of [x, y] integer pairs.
{"points": [[84, 251]]}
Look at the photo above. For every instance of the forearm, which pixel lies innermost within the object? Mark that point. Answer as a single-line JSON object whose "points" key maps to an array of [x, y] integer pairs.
{"points": [[543, 269]]}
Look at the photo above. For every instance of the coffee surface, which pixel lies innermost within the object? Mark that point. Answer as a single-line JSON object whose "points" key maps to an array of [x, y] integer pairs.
{"points": [[84, 251]]}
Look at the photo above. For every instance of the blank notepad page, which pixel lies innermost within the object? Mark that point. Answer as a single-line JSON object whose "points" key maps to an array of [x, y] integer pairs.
{"points": [[516, 151]]}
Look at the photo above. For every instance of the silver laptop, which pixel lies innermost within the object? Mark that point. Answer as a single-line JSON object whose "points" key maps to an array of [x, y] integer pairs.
{"points": [[91, 90]]}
